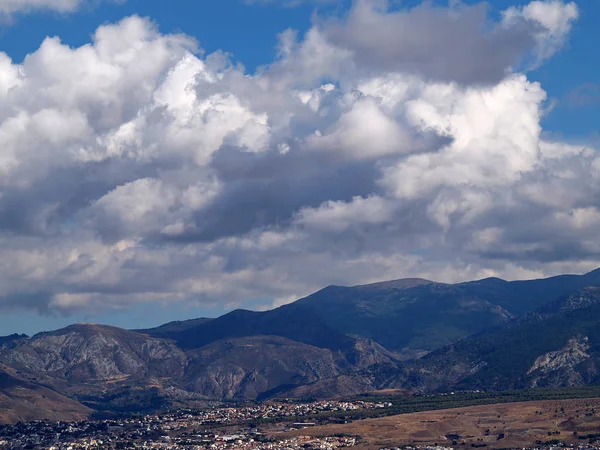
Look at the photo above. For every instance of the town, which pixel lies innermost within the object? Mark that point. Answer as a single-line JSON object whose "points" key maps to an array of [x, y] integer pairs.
{"points": [[216, 428]]}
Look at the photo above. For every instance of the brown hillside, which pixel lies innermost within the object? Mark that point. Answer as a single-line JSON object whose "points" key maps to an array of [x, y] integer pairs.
{"points": [[21, 400], [521, 424]]}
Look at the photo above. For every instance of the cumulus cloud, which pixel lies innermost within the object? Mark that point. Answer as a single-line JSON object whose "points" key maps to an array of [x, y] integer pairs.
{"points": [[553, 20], [134, 169], [455, 43]]}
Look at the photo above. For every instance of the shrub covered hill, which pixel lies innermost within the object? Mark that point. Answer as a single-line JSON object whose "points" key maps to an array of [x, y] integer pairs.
{"points": [[413, 334], [557, 345]]}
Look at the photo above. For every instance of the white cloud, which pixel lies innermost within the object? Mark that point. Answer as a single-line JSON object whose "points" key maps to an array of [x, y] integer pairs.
{"points": [[494, 136], [365, 131], [10, 7], [553, 19], [337, 216], [134, 169], [139, 206]]}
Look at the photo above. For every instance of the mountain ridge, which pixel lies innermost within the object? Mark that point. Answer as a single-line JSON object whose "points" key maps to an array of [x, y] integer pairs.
{"points": [[411, 334]]}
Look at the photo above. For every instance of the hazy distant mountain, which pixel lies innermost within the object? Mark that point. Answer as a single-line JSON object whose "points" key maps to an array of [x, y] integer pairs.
{"points": [[410, 317], [489, 334], [172, 328], [416, 316], [293, 322]]}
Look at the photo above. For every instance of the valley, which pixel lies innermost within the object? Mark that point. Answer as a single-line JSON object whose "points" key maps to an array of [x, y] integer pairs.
{"points": [[361, 424]]}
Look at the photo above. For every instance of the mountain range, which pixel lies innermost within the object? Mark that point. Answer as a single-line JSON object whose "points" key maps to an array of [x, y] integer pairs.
{"points": [[410, 334]]}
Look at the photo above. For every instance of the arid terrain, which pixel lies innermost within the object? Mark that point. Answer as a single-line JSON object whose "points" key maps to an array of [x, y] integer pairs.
{"points": [[511, 425]]}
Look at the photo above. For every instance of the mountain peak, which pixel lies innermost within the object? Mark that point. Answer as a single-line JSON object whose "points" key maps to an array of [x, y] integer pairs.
{"points": [[402, 283], [90, 326], [86, 329], [490, 280]]}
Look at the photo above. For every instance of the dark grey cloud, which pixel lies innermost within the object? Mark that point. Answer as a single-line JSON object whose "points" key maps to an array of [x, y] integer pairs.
{"points": [[458, 44], [248, 205]]}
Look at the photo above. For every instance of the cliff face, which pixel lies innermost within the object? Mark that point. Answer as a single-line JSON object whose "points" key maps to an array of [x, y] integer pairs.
{"points": [[561, 367]]}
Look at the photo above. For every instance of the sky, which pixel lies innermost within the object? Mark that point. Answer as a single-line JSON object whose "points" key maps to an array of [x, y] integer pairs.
{"points": [[169, 160]]}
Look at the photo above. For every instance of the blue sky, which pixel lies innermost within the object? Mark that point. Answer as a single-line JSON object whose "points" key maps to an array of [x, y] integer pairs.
{"points": [[570, 70], [372, 238], [247, 31]]}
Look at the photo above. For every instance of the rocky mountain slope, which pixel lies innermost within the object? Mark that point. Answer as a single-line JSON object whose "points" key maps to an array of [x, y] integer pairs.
{"points": [[87, 352], [262, 366], [489, 334], [109, 368], [556, 346]]}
